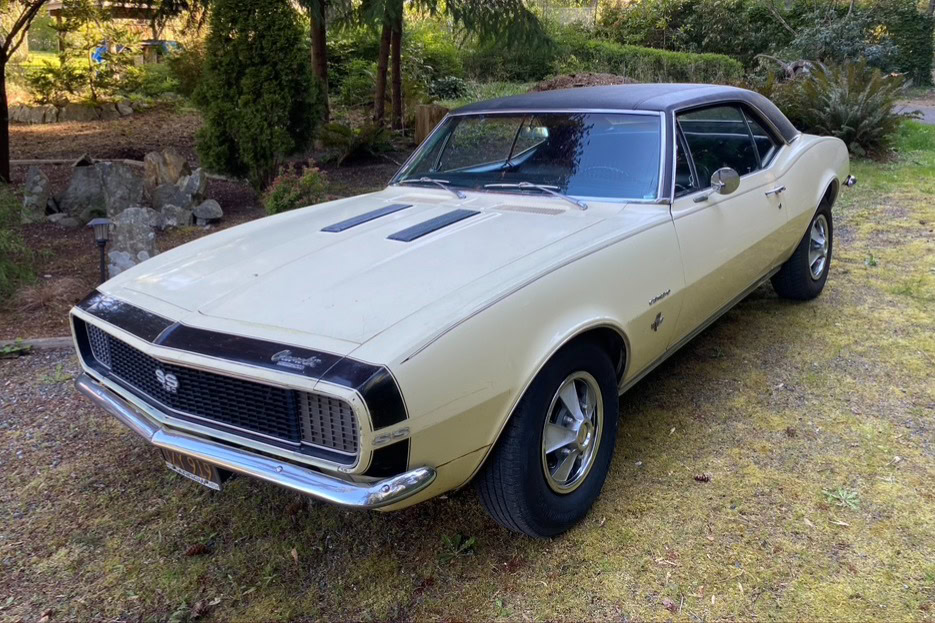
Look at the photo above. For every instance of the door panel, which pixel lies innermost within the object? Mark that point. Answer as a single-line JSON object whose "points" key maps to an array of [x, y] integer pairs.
{"points": [[727, 242]]}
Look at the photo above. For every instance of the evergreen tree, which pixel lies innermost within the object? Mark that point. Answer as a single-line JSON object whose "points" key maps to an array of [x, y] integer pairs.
{"points": [[258, 97]]}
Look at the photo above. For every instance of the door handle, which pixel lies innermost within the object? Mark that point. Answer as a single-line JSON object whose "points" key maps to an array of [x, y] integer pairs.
{"points": [[775, 191]]}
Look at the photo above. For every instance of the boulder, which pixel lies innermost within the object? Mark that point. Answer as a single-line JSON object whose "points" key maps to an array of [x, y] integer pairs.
{"points": [[176, 166], [36, 195], [56, 217], [124, 109], [69, 222], [153, 163], [208, 211], [78, 112], [170, 194], [107, 113], [84, 199], [135, 235], [16, 113], [176, 216], [122, 188], [194, 185], [119, 262]]}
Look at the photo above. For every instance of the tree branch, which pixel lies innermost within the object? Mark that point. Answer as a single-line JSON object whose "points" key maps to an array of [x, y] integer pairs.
{"points": [[776, 14]]}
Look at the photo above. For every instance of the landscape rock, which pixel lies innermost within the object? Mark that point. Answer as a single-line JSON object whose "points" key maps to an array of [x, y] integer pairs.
{"points": [[170, 194], [36, 195], [176, 166], [108, 113], [208, 211], [124, 109], [176, 216], [121, 261], [84, 198], [135, 236], [153, 163], [69, 222], [122, 188], [78, 112], [56, 217], [194, 185]]}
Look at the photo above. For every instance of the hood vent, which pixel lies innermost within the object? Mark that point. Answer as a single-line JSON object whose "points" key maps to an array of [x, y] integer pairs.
{"points": [[366, 217], [433, 224]]}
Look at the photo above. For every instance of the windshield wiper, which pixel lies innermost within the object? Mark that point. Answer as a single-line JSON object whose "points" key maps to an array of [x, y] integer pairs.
{"points": [[552, 190], [437, 182]]}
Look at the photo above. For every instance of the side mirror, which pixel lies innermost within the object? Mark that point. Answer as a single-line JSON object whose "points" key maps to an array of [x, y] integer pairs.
{"points": [[725, 181]]}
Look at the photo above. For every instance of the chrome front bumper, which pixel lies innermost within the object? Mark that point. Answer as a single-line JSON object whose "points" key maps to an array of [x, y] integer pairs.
{"points": [[307, 481]]}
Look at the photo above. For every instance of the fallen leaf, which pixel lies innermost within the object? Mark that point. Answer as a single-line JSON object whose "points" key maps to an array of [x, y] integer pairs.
{"points": [[198, 549], [295, 555], [791, 432], [668, 604], [808, 523], [703, 478]]}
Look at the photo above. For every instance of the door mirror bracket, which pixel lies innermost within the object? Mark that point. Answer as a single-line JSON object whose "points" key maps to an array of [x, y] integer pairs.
{"points": [[724, 181]]}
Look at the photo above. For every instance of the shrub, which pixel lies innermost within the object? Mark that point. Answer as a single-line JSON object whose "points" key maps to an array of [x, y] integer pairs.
{"points": [[832, 39], [368, 140], [357, 87], [576, 49], [187, 66], [854, 102], [448, 88], [258, 97], [15, 256], [150, 80], [55, 82], [290, 191]]}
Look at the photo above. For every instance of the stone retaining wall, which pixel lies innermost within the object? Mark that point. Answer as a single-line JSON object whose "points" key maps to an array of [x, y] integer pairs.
{"points": [[70, 112]]}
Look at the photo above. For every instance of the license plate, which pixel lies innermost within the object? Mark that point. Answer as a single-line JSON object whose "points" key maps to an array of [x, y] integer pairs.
{"points": [[195, 469]]}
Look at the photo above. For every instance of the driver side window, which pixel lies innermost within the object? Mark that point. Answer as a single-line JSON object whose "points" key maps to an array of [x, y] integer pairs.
{"points": [[718, 137]]}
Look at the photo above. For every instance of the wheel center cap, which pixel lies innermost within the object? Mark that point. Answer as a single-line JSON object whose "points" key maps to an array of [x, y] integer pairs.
{"points": [[583, 438]]}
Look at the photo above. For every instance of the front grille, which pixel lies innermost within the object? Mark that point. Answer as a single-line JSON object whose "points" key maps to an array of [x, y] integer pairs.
{"points": [[294, 417], [328, 422], [99, 347]]}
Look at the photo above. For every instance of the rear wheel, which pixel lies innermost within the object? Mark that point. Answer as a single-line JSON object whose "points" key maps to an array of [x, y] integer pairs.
{"points": [[803, 276], [552, 458]]}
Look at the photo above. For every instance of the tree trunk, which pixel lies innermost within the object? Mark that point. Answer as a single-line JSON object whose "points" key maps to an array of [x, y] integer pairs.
{"points": [[379, 98], [396, 52], [931, 10], [5, 129], [320, 57]]}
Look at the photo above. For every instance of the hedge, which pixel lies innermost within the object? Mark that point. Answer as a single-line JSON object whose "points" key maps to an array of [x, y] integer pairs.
{"points": [[574, 50]]}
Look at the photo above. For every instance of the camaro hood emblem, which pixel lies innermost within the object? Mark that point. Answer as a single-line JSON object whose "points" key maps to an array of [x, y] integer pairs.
{"points": [[286, 359]]}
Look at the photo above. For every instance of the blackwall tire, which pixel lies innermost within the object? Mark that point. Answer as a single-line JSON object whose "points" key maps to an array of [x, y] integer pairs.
{"points": [[803, 276], [529, 484]]}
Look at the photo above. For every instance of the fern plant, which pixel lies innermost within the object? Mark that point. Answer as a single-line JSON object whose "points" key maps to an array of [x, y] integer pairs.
{"points": [[854, 102], [370, 139]]}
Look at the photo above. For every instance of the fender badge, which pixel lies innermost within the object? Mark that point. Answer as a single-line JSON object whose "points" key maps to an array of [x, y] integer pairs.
{"points": [[286, 359], [657, 322], [659, 297]]}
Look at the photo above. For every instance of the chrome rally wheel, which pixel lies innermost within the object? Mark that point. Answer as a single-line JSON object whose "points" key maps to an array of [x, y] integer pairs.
{"points": [[572, 432]]}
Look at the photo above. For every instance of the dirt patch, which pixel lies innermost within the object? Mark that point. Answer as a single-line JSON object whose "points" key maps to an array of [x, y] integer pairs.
{"points": [[572, 81]]}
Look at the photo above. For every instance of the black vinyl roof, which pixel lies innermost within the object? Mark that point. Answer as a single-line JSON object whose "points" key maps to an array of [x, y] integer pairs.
{"points": [[665, 98]]}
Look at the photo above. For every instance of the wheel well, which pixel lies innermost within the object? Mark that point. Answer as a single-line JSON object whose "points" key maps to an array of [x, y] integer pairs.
{"points": [[610, 341], [831, 194]]}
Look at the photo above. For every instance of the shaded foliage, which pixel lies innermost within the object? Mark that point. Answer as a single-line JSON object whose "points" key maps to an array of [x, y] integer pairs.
{"points": [[290, 190], [257, 96]]}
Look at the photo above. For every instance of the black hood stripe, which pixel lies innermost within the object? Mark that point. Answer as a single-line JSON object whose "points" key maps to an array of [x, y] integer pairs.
{"points": [[366, 217], [374, 383]]}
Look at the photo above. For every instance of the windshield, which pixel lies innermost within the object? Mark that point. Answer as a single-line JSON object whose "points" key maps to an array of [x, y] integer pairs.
{"points": [[605, 155]]}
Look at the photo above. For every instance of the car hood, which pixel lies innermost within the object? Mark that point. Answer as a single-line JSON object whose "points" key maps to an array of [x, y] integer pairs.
{"points": [[287, 274]]}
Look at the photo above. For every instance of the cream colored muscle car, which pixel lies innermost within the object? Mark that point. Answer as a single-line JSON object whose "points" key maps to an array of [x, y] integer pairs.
{"points": [[476, 319]]}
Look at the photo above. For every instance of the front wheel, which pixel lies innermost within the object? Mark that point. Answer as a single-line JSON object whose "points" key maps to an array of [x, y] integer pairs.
{"points": [[803, 275], [553, 456]]}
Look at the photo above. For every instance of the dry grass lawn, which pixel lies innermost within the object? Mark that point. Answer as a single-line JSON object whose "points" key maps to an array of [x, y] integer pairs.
{"points": [[814, 422]]}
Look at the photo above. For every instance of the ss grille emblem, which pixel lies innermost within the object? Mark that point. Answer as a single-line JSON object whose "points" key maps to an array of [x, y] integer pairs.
{"points": [[169, 382]]}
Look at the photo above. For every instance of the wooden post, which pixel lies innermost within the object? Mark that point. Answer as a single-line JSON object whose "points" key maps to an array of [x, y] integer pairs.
{"points": [[427, 117]]}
